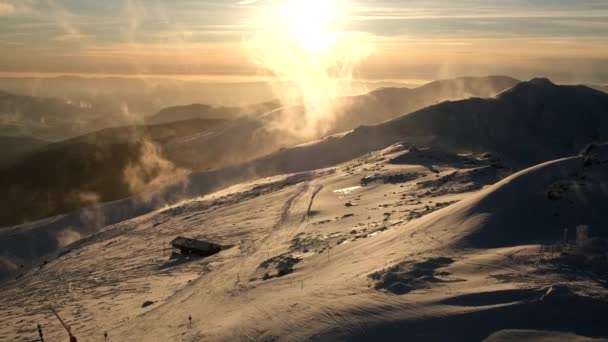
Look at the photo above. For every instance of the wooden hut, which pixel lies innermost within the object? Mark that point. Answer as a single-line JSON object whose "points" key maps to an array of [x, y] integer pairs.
{"points": [[186, 246]]}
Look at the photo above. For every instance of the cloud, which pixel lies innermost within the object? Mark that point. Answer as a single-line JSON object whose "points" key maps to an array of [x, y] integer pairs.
{"points": [[135, 13], [64, 20], [67, 236], [85, 197], [491, 9], [151, 170], [7, 267], [68, 36], [7, 9]]}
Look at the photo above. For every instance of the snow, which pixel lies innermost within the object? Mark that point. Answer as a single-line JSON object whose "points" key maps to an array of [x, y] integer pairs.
{"points": [[440, 240], [347, 191], [306, 266]]}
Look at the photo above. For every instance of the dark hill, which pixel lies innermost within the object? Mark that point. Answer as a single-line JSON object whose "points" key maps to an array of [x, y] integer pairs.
{"points": [[65, 176]]}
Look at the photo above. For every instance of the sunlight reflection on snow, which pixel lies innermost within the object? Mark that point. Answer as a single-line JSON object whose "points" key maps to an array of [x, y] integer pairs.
{"points": [[346, 191]]}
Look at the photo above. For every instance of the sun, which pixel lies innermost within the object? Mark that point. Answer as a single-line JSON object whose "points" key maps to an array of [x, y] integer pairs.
{"points": [[310, 24], [305, 46]]}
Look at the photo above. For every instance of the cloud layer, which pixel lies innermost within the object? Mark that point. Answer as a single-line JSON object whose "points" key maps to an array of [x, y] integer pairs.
{"points": [[205, 37]]}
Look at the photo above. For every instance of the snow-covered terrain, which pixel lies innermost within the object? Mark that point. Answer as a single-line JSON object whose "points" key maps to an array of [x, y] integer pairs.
{"points": [[256, 135], [575, 116], [402, 243], [431, 226], [90, 168], [77, 164]]}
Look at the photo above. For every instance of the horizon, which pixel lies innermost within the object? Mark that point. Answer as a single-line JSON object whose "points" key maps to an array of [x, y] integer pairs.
{"points": [[421, 40]]}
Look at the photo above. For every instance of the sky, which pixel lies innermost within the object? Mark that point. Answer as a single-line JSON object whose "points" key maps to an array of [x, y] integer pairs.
{"points": [[565, 40]]}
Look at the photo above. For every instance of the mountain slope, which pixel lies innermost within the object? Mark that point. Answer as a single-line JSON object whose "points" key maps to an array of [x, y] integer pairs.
{"points": [[388, 103], [53, 119], [193, 111], [603, 88], [99, 167], [90, 168], [406, 259], [252, 137], [547, 198], [456, 126], [531, 123], [15, 148]]}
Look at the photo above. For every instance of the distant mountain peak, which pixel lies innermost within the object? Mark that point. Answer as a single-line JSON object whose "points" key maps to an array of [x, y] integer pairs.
{"points": [[532, 90], [541, 81]]}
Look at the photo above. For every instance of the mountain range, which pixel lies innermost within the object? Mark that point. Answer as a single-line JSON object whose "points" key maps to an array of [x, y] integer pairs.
{"points": [[478, 217], [90, 168]]}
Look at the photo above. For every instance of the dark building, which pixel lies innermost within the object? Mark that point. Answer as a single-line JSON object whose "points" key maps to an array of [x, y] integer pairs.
{"points": [[186, 246]]}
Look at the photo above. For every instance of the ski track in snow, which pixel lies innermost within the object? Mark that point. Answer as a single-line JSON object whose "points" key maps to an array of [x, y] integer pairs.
{"points": [[341, 238]]}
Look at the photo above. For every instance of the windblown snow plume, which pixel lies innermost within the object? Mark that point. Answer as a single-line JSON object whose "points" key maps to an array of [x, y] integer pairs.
{"points": [[304, 45], [67, 236], [151, 170]]}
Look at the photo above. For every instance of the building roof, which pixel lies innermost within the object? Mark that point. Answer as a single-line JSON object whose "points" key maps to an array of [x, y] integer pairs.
{"points": [[192, 244]]}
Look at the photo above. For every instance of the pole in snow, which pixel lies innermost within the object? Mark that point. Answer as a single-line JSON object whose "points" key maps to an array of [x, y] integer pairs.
{"points": [[190, 321], [40, 333], [105, 336], [65, 326]]}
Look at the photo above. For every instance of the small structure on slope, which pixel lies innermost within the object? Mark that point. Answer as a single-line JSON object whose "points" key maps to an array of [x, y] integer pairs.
{"points": [[185, 246]]}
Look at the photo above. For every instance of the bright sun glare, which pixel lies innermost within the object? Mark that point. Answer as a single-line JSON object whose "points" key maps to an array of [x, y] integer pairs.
{"points": [[310, 24], [304, 44]]}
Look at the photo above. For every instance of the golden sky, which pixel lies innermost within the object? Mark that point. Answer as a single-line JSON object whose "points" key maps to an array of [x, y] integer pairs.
{"points": [[425, 39]]}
